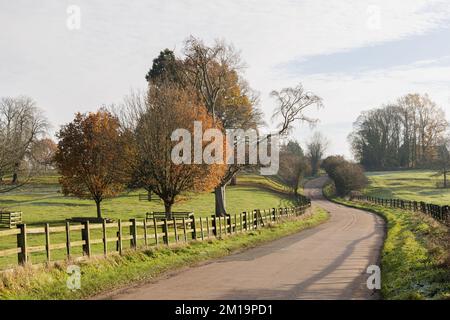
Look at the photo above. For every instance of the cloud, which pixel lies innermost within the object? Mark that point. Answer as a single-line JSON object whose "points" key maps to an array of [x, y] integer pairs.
{"points": [[346, 95], [81, 70]]}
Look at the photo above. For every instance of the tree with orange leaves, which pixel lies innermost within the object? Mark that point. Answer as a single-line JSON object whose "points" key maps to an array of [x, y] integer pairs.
{"points": [[170, 108], [93, 157]]}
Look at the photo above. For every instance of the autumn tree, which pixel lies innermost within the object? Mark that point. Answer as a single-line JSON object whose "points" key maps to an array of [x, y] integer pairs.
{"points": [[215, 73], [173, 109], [21, 125], [94, 157]]}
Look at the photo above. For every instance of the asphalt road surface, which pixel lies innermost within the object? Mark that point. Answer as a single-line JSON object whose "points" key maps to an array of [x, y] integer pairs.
{"points": [[326, 262]]}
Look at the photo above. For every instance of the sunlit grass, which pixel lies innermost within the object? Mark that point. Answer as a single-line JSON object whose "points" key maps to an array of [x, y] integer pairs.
{"points": [[418, 185], [42, 201], [415, 258], [116, 271]]}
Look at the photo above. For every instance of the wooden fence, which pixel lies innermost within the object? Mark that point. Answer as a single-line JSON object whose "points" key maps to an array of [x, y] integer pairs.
{"points": [[10, 219], [440, 213], [110, 237]]}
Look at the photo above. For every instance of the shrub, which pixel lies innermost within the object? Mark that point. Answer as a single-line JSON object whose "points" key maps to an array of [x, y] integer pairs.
{"points": [[347, 176], [331, 163]]}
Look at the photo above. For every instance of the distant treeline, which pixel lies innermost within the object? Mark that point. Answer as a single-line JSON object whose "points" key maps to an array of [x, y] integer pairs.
{"points": [[406, 134]]}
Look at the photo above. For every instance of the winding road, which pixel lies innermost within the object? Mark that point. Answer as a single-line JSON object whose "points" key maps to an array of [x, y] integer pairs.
{"points": [[326, 262]]}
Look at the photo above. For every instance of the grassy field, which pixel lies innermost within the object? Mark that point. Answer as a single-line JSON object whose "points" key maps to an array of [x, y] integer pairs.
{"points": [[419, 185], [41, 201], [116, 271]]}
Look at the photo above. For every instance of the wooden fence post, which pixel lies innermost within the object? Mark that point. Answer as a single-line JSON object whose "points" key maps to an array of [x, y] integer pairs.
{"points": [[68, 239], [184, 230], [240, 222], [47, 241], [207, 227], [155, 228], [175, 231], [133, 233], [166, 231], [119, 237], [85, 235], [22, 256], [145, 233], [105, 237], [201, 228], [194, 228], [214, 225], [245, 221]]}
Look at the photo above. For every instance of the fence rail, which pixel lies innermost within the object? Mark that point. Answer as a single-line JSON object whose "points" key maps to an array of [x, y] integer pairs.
{"points": [[107, 237], [10, 219], [439, 213]]}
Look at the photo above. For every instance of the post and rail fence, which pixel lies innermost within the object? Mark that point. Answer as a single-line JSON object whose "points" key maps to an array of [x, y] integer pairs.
{"points": [[439, 213], [10, 219], [85, 239]]}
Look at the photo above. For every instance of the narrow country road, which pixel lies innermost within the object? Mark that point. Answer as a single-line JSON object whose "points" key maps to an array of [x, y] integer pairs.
{"points": [[326, 262]]}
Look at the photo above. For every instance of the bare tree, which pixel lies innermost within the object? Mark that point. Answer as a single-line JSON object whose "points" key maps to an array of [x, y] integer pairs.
{"points": [[292, 104], [401, 135], [43, 152], [214, 72], [316, 148], [21, 124], [443, 159]]}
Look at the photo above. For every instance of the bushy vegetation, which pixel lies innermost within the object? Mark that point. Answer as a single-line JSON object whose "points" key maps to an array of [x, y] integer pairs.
{"points": [[347, 176]]}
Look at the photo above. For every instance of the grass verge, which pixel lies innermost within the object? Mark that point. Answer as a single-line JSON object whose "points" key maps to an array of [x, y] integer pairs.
{"points": [[415, 261], [102, 275]]}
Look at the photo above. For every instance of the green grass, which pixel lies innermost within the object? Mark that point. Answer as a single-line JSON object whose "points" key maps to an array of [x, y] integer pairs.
{"points": [[41, 202], [418, 185], [415, 260], [103, 275]]}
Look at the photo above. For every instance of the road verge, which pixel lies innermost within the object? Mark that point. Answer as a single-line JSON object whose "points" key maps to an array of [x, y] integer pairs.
{"points": [[415, 262], [103, 275]]}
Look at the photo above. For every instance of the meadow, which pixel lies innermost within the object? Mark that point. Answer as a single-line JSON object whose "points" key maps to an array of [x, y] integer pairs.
{"points": [[419, 185], [41, 201]]}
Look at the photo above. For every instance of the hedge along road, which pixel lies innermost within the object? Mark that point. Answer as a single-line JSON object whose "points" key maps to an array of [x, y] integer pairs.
{"points": [[326, 262]]}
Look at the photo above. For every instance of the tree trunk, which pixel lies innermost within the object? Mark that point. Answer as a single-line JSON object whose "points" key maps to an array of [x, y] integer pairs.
{"points": [[233, 181], [149, 194], [168, 208], [219, 194], [445, 178], [15, 177], [99, 209]]}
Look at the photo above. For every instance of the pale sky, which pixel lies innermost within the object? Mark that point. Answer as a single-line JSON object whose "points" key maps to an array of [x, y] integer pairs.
{"points": [[355, 54]]}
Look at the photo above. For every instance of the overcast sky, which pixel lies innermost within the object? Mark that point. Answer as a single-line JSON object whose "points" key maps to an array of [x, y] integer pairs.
{"points": [[355, 54]]}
